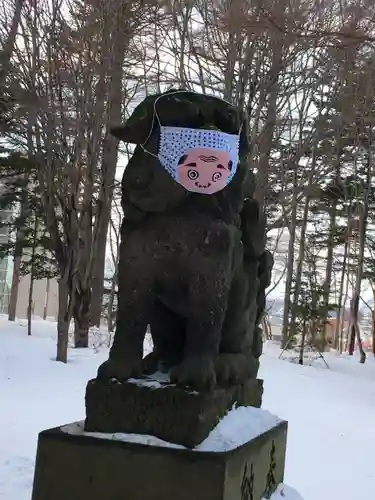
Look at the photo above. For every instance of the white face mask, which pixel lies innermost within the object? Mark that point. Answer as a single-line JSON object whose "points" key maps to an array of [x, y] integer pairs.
{"points": [[202, 161]]}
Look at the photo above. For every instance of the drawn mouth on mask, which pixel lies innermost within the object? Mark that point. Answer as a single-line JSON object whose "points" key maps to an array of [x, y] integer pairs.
{"points": [[203, 186]]}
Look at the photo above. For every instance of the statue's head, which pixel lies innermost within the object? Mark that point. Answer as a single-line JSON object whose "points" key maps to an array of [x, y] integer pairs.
{"points": [[198, 139]]}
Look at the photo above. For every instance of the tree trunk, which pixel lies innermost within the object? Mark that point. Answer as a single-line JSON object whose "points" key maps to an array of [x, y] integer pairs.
{"points": [[290, 264], [302, 347], [346, 295], [45, 310], [97, 280], [32, 276], [329, 264], [266, 326], [112, 296], [108, 168], [15, 281], [63, 322], [265, 145], [6, 52], [338, 338], [355, 332], [354, 329], [81, 314], [30, 307], [301, 255]]}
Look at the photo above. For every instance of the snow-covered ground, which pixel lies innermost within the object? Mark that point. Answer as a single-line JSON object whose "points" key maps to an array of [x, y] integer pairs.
{"points": [[331, 440]]}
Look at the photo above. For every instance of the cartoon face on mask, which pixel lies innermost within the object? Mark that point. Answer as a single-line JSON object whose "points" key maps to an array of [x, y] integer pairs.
{"points": [[204, 170]]}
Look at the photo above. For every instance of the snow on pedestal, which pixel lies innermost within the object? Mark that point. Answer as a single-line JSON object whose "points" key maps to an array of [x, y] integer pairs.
{"points": [[239, 426], [242, 457]]}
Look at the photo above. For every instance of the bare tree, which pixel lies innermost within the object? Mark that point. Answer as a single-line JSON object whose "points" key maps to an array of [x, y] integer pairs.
{"points": [[7, 48], [71, 63], [114, 241], [17, 257]]}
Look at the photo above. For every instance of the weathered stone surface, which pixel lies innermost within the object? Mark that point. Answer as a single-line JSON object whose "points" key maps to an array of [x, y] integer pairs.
{"points": [[168, 412], [76, 467], [192, 266]]}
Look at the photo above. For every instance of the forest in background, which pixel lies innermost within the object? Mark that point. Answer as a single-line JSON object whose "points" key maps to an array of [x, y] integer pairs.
{"points": [[303, 70]]}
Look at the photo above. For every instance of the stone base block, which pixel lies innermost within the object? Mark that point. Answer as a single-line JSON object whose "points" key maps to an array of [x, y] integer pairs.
{"points": [[81, 466], [166, 411]]}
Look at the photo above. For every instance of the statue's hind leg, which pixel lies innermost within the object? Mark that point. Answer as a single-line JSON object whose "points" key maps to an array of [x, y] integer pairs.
{"points": [[236, 362]]}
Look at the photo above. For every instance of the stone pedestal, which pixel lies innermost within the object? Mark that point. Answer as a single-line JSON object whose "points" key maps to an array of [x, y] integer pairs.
{"points": [[166, 411], [76, 466]]}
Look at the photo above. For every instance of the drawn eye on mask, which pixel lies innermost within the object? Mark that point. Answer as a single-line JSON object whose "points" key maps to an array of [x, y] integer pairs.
{"points": [[204, 170], [192, 174]]}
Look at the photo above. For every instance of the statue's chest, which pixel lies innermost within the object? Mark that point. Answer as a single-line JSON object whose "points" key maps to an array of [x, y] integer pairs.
{"points": [[180, 234]]}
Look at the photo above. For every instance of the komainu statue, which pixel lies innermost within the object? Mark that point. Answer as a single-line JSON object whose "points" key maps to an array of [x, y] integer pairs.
{"points": [[193, 265]]}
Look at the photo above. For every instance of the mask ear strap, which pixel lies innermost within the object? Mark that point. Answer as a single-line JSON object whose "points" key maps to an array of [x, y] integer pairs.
{"points": [[156, 116]]}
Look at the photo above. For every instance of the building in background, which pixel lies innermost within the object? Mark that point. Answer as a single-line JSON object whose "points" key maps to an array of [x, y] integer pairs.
{"points": [[45, 291], [45, 298], [6, 264]]}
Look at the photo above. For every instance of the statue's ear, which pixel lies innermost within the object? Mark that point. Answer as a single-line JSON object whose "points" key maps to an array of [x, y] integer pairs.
{"points": [[127, 133], [137, 128]]}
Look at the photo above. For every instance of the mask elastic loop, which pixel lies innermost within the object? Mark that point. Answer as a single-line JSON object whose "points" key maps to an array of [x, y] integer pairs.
{"points": [[155, 114]]}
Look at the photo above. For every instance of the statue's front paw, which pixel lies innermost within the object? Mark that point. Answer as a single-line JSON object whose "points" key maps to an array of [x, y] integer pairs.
{"points": [[235, 368], [197, 373], [120, 369]]}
